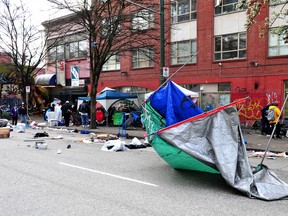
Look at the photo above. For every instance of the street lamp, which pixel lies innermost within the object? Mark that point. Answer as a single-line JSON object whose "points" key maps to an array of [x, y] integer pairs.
{"points": [[162, 36]]}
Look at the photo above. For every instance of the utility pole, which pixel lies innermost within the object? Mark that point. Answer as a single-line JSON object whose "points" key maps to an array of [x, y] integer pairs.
{"points": [[162, 42], [162, 36]]}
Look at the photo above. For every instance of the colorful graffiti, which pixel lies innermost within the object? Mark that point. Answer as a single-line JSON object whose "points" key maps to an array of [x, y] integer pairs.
{"points": [[251, 110]]}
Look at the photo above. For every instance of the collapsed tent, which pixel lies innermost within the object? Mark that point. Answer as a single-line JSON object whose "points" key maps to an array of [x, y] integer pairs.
{"points": [[210, 142]]}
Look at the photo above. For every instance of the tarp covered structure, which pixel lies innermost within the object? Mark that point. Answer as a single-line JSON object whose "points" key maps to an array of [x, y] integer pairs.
{"points": [[109, 96], [211, 142]]}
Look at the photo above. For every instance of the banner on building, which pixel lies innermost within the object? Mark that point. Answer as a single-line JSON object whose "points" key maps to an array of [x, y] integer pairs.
{"points": [[60, 73], [74, 75]]}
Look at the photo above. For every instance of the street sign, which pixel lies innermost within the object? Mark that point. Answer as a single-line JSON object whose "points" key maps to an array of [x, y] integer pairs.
{"points": [[27, 89], [165, 71]]}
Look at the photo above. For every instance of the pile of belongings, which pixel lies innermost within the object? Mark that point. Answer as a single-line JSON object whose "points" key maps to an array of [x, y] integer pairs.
{"points": [[188, 138]]}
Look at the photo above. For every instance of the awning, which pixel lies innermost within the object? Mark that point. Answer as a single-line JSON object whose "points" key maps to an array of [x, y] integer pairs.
{"points": [[45, 79]]}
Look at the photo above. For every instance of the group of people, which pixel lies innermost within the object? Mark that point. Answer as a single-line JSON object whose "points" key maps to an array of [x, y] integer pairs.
{"points": [[66, 110], [21, 111], [268, 124]]}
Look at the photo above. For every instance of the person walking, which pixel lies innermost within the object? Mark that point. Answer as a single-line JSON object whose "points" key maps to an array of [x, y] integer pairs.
{"points": [[23, 113], [84, 111], [66, 112], [14, 114], [265, 126], [274, 122]]}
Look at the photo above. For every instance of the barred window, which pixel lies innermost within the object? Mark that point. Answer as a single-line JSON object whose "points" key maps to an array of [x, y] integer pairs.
{"points": [[183, 10], [143, 57], [232, 46], [183, 51]]}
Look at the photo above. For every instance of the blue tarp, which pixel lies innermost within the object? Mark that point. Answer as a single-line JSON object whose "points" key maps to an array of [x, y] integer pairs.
{"points": [[173, 104]]}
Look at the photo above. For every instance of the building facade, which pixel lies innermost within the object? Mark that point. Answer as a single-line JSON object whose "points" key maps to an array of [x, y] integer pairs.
{"points": [[230, 61], [208, 51]]}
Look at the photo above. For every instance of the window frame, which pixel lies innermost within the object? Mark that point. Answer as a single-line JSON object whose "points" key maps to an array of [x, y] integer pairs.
{"points": [[143, 19], [189, 15], [55, 54], [222, 51], [78, 52], [279, 44], [144, 56], [175, 52], [223, 7], [112, 64]]}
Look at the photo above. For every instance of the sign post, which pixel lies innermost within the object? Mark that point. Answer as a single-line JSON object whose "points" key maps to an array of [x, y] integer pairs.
{"points": [[165, 71]]}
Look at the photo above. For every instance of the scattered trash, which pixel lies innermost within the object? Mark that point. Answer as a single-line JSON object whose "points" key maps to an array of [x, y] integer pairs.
{"points": [[44, 134], [84, 132], [58, 137], [40, 145], [21, 127], [86, 141], [114, 145], [269, 154], [43, 124], [59, 151], [135, 144]]}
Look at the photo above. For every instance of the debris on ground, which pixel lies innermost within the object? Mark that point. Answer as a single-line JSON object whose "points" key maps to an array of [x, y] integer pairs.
{"points": [[270, 155], [114, 145], [41, 134]]}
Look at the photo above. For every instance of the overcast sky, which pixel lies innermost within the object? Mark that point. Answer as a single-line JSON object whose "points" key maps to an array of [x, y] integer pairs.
{"points": [[41, 11]]}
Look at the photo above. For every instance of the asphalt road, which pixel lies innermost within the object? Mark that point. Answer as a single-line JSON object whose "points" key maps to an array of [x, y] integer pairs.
{"points": [[84, 180]]}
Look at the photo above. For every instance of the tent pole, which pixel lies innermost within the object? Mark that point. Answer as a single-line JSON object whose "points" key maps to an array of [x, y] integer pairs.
{"points": [[176, 71], [272, 134]]}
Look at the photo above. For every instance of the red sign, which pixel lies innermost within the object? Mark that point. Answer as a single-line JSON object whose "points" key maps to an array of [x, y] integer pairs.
{"points": [[62, 65]]}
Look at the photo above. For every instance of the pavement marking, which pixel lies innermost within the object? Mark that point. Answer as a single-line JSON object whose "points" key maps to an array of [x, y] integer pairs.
{"points": [[108, 174]]}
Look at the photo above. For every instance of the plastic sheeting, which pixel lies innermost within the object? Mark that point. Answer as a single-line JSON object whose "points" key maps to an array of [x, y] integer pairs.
{"points": [[212, 142], [173, 104], [217, 140]]}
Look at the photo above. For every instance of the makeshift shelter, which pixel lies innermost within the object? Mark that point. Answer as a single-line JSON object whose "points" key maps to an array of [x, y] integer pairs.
{"points": [[187, 92], [208, 142], [108, 97]]}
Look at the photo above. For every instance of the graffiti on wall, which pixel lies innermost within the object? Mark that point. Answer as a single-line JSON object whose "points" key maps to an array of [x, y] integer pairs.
{"points": [[255, 102]]}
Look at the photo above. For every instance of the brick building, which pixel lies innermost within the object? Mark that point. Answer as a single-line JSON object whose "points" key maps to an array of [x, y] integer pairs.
{"points": [[230, 61]]}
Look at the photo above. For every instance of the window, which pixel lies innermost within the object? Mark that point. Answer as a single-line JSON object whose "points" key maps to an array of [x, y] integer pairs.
{"points": [[143, 57], [228, 6], [183, 51], [230, 46], [277, 45], [183, 10], [56, 53], [112, 64], [143, 19], [78, 49]]}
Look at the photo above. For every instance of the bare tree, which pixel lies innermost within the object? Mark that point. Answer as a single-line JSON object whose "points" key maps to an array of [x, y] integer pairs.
{"points": [[24, 43], [113, 28]]}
